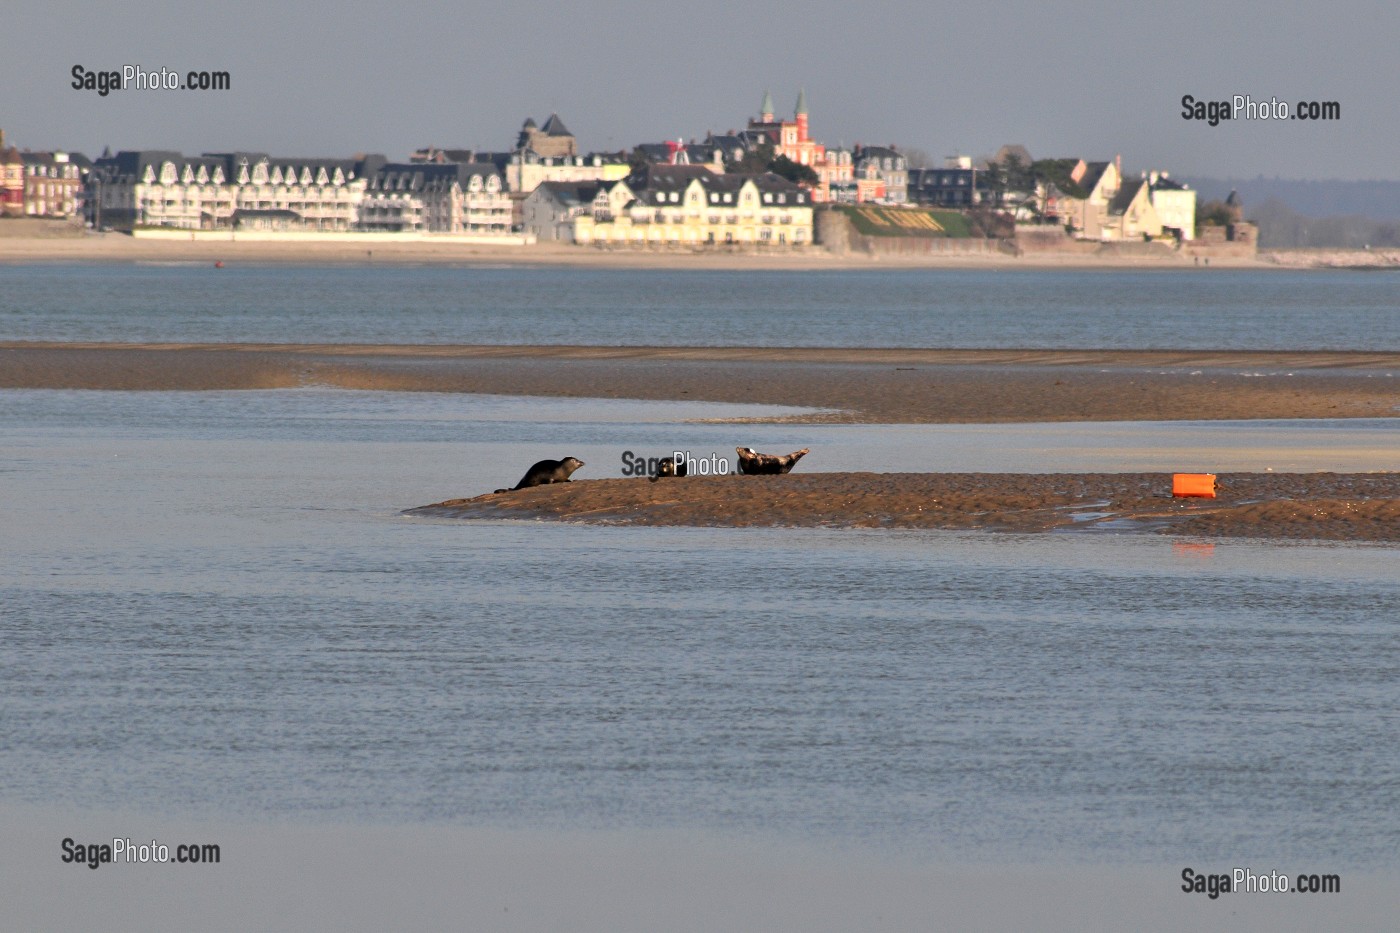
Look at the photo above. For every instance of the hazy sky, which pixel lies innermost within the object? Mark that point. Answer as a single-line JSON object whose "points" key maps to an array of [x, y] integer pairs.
{"points": [[1084, 78]]}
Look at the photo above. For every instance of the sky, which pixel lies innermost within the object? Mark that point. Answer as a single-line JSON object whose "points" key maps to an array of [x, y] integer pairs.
{"points": [[1089, 79]]}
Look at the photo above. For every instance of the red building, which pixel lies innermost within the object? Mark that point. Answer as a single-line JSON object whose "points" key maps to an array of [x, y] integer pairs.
{"points": [[792, 138]]}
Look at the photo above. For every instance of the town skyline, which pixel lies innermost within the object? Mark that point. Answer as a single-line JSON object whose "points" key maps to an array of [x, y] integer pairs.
{"points": [[946, 80]]}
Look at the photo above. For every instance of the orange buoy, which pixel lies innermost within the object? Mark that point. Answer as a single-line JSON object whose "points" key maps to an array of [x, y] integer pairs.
{"points": [[1193, 485]]}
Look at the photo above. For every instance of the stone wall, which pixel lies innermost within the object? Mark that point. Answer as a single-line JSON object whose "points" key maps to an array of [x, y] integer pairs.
{"points": [[836, 234]]}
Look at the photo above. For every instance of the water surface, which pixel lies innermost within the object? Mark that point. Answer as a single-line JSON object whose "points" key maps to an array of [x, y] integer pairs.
{"points": [[1034, 309], [212, 605]]}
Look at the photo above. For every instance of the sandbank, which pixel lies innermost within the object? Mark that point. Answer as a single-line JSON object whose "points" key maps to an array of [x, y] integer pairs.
{"points": [[843, 385], [1313, 506]]}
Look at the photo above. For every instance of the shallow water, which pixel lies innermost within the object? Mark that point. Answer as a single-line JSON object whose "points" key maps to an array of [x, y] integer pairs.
{"points": [[212, 605], [1167, 309]]}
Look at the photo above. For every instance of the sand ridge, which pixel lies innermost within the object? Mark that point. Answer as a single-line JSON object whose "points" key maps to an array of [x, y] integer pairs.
{"points": [[912, 386], [1317, 506]]}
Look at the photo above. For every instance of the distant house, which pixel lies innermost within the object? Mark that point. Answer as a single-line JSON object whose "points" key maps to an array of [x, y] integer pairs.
{"points": [[53, 184], [734, 147], [158, 188], [552, 140], [522, 170], [678, 152], [881, 174], [792, 138], [458, 197], [1087, 216], [689, 206], [838, 175], [950, 186], [549, 212], [1112, 208], [1131, 215], [11, 181], [1175, 204]]}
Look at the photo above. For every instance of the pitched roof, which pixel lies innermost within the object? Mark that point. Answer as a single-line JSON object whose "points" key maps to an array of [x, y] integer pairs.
{"points": [[569, 193], [1093, 171], [676, 176], [555, 126], [660, 153], [427, 176], [1125, 196], [669, 178], [132, 164]]}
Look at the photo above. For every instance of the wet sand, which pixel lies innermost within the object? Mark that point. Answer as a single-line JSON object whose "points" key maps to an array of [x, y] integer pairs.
{"points": [[863, 385], [1317, 506]]}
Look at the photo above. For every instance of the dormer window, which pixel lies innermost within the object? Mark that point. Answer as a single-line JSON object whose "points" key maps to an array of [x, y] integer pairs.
{"points": [[728, 198]]}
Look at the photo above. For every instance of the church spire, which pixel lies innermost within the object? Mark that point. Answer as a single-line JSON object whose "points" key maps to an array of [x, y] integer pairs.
{"points": [[802, 103], [766, 110]]}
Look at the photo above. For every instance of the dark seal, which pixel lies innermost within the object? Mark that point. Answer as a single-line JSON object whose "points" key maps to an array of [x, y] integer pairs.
{"points": [[669, 466], [546, 472], [752, 463]]}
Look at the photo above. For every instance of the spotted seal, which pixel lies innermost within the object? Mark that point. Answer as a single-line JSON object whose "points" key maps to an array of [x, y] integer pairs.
{"points": [[752, 463], [546, 472]]}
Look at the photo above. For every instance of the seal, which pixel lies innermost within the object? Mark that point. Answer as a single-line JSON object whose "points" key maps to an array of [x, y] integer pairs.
{"points": [[546, 472], [752, 463], [669, 466]]}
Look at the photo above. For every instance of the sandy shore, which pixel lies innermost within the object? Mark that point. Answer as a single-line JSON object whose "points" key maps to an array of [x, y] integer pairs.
{"points": [[26, 241], [1325, 506], [78, 246], [880, 386]]}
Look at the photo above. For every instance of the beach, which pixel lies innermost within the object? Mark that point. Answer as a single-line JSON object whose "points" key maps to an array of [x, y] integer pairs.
{"points": [[27, 241]]}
